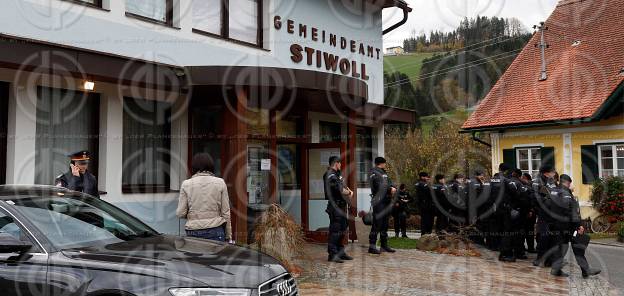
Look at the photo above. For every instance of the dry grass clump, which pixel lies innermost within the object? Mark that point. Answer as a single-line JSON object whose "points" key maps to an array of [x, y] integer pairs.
{"points": [[277, 234], [448, 243]]}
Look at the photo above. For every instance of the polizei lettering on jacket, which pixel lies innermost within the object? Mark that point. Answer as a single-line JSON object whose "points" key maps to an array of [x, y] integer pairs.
{"points": [[325, 60]]}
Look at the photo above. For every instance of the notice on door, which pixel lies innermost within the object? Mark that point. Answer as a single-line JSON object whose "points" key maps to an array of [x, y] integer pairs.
{"points": [[265, 164]]}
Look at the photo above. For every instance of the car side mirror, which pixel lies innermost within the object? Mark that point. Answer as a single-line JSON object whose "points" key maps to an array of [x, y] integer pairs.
{"points": [[9, 244]]}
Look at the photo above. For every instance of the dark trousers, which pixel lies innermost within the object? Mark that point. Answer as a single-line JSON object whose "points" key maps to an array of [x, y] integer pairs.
{"points": [[579, 245], [529, 233], [381, 219], [441, 221], [512, 238], [216, 234], [426, 220], [400, 223], [493, 233], [337, 229], [545, 239]]}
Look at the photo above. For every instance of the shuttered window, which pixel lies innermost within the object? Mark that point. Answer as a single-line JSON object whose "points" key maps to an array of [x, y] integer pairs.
{"points": [[529, 160]]}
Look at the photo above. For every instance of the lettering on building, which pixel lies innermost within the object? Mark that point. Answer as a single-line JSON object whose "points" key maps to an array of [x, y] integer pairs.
{"points": [[326, 60]]}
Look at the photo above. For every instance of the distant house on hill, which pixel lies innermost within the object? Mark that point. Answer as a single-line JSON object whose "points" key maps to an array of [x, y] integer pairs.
{"points": [[394, 51], [570, 115]]}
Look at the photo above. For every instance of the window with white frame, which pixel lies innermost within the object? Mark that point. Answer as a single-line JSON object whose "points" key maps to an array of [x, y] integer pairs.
{"points": [[155, 10], [529, 160], [237, 20], [611, 160]]}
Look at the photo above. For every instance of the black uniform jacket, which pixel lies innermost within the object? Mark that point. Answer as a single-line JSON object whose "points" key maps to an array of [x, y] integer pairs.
{"points": [[334, 187], [380, 187], [85, 183]]}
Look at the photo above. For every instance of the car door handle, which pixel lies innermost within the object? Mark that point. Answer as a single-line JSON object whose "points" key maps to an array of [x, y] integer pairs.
{"points": [[13, 258]]}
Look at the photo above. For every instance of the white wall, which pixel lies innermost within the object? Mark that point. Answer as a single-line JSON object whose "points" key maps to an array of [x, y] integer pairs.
{"points": [[158, 210], [62, 22]]}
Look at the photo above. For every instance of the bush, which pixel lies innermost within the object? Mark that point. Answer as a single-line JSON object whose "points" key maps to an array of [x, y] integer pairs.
{"points": [[443, 150], [608, 196]]}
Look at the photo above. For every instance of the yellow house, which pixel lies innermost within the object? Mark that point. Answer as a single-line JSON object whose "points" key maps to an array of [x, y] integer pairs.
{"points": [[562, 103]]}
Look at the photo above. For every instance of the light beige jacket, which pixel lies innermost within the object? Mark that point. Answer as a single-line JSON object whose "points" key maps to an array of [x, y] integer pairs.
{"points": [[204, 203]]}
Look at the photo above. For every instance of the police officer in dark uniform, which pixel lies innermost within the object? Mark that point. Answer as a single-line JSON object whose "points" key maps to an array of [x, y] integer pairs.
{"points": [[543, 187], [530, 217], [399, 212], [568, 229], [478, 193], [78, 178], [513, 207], [440, 200], [338, 197], [495, 214], [457, 199], [425, 203], [382, 198]]}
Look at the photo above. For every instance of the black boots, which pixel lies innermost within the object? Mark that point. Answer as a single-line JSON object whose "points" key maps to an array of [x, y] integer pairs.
{"points": [[345, 257], [334, 258], [589, 272], [373, 250], [559, 273], [387, 249]]}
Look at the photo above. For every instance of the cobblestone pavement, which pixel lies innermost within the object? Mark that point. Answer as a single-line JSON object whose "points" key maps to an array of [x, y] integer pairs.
{"points": [[413, 272]]}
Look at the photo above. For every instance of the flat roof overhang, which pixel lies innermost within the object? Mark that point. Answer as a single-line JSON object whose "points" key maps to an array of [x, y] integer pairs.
{"points": [[39, 57], [313, 90], [324, 92]]}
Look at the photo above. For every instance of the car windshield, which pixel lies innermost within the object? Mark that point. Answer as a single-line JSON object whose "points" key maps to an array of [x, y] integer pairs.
{"points": [[80, 221]]}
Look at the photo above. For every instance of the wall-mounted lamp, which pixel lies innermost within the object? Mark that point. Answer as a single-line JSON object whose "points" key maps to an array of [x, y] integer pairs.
{"points": [[89, 85]]}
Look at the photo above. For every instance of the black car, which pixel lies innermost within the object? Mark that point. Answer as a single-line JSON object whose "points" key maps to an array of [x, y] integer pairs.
{"points": [[59, 242]]}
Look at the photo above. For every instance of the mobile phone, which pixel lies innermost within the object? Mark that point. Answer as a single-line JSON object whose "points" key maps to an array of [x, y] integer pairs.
{"points": [[575, 233]]}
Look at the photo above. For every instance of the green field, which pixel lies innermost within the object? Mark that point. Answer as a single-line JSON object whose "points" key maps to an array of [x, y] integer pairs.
{"points": [[458, 115], [410, 63]]}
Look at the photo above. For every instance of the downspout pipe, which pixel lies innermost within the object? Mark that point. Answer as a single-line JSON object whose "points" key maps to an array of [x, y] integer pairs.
{"points": [[476, 139], [401, 23]]}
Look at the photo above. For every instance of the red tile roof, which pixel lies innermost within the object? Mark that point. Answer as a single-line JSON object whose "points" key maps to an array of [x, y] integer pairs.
{"points": [[584, 64]]}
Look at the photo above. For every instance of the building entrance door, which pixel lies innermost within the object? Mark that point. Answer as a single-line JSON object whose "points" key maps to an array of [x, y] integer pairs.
{"points": [[315, 162]]}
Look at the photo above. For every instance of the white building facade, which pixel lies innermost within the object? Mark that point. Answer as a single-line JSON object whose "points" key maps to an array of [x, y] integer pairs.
{"points": [[269, 88]]}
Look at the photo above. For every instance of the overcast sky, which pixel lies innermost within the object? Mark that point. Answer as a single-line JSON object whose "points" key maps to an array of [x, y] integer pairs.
{"points": [[446, 15]]}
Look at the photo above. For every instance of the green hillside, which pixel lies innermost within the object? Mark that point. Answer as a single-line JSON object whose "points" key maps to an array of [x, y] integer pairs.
{"points": [[409, 64], [457, 116]]}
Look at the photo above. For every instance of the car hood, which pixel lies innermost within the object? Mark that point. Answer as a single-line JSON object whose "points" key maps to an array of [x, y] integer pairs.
{"points": [[211, 264]]}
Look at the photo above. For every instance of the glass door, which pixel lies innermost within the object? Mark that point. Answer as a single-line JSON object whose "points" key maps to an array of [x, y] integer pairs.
{"points": [[316, 162]]}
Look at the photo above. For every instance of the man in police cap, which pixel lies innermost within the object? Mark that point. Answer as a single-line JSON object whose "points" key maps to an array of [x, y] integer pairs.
{"points": [[568, 229], [338, 196], [495, 213], [78, 178], [478, 193], [425, 203], [543, 187], [382, 195]]}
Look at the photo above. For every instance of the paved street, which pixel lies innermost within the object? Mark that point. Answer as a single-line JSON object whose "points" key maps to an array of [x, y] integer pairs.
{"points": [[412, 272], [611, 261]]}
